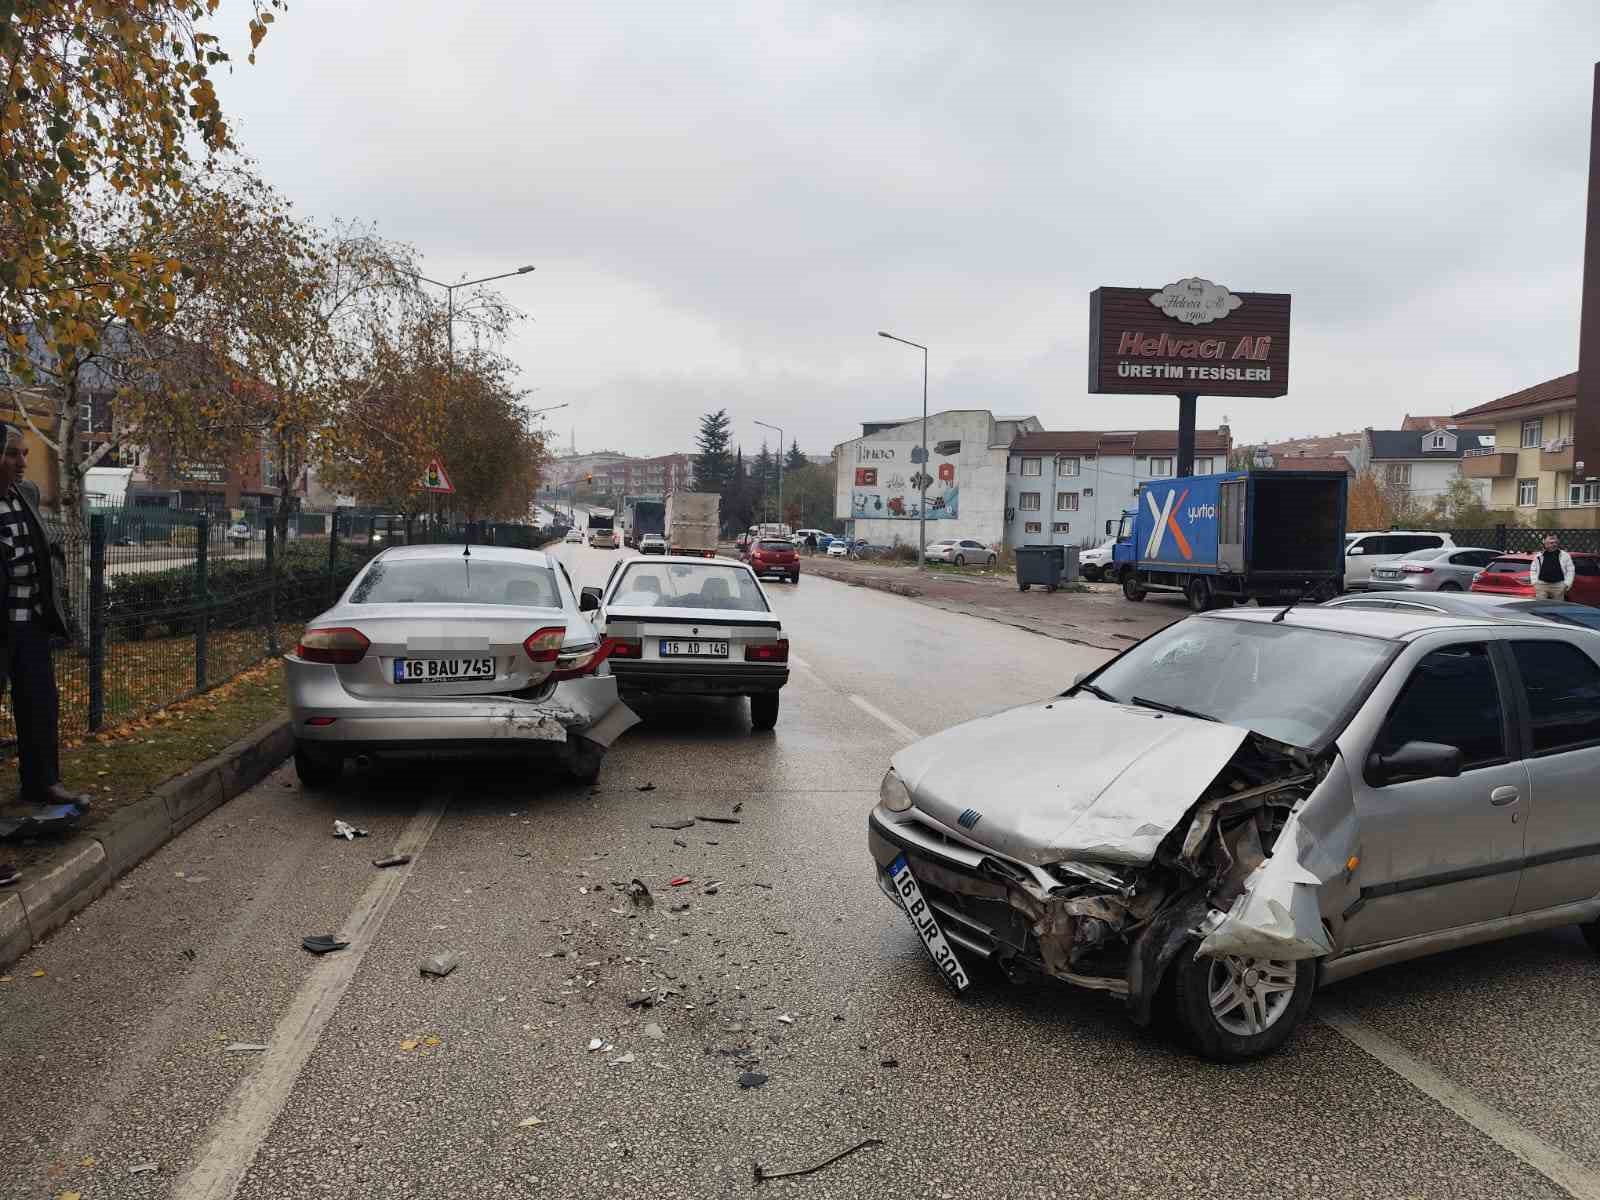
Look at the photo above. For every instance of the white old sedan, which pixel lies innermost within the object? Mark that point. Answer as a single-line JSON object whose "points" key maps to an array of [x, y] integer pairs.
{"points": [[681, 625]]}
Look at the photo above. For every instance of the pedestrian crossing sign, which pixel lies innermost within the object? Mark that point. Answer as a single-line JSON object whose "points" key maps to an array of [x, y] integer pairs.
{"points": [[435, 480]]}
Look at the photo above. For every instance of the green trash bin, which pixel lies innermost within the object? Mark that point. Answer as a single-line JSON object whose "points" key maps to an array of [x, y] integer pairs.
{"points": [[1042, 565]]}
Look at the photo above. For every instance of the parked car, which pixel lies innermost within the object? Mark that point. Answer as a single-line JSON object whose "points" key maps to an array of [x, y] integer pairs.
{"points": [[1368, 550], [839, 548], [1250, 803], [239, 532], [688, 625], [1480, 605], [960, 551], [653, 543], [432, 652], [1095, 563], [774, 556], [1442, 569], [1507, 575]]}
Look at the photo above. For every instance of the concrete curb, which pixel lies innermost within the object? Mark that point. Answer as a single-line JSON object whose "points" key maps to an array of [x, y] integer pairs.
{"points": [[82, 869]]}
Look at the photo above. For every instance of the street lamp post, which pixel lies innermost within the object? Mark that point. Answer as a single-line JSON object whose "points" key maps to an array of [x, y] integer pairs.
{"points": [[764, 425], [450, 305], [922, 509], [552, 408]]}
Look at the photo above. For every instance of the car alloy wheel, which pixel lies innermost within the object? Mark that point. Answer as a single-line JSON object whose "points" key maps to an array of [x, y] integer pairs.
{"points": [[961, 560], [1250, 995]]}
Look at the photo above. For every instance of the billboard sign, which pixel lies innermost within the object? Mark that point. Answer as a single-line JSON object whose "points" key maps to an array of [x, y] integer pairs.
{"points": [[887, 482], [1191, 336]]}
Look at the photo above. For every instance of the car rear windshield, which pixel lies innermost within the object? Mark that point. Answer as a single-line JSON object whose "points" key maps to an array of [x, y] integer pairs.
{"points": [[1507, 566], [1284, 681], [777, 546], [457, 579], [688, 585]]}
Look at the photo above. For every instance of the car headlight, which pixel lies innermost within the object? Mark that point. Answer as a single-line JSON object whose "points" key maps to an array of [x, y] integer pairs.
{"points": [[893, 794]]}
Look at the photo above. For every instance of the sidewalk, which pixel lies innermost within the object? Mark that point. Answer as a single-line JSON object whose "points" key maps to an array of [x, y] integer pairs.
{"points": [[1098, 616]]}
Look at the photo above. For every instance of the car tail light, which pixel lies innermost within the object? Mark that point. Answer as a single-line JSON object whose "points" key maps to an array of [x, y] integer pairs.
{"points": [[625, 648], [340, 644], [777, 652], [582, 660], [544, 646], [1416, 569]]}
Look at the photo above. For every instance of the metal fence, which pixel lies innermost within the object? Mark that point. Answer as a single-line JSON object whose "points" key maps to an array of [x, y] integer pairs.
{"points": [[163, 608], [1521, 539]]}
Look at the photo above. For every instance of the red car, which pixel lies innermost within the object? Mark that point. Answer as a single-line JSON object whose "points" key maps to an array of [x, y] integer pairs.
{"points": [[771, 556], [1508, 576]]}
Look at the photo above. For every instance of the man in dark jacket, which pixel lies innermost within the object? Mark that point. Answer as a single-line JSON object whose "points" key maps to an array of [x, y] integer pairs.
{"points": [[31, 571], [1551, 571]]}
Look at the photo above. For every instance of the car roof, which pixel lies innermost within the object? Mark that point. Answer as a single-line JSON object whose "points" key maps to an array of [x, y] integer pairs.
{"points": [[689, 559], [456, 549], [1392, 625]]}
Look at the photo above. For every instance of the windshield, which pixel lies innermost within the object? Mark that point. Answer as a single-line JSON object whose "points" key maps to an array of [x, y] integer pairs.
{"points": [[688, 585], [1284, 681], [458, 579], [769, 545]]}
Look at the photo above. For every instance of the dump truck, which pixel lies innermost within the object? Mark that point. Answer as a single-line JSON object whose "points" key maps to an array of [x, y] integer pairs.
{"points": [[694, 523], [1236, 536]]}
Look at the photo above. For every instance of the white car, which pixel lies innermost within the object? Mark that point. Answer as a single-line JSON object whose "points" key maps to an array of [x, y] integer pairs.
{"points": [[1095, 563], [961, 551], [839, 548], [1368, 550], [574, 535]]}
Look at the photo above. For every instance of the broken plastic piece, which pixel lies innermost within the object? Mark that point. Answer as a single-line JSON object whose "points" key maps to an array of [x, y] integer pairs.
{"points": [[392, 860], [595, 1044], [440, 965], [529, 1122], [762, 1174], [624, 1060], [672, 824], [141, 1168], [243, 1048], [680, 880], [752, 1079], [347, 831], [322, 943]]}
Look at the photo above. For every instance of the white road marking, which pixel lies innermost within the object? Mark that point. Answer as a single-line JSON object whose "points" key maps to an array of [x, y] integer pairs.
{"points": [[237, 1134], [1559, 1167], [872, 710]]}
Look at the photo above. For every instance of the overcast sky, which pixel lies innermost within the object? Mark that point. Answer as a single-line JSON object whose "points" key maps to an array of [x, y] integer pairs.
{"points": [[726, 201]]}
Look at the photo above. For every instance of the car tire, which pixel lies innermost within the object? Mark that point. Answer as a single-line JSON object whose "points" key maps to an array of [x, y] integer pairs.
{"points": [[991, 561], [1449, 587], [1199, 594], [795, 579], [1022, 587], [763, 711], [961, 560], [584, 765], [1591, 934], [317, 769], [1230, 1030], [1130, 587]]}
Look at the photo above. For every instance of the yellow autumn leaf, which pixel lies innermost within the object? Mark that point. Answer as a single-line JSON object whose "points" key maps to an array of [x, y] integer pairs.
{"points": [[410, 1044]]}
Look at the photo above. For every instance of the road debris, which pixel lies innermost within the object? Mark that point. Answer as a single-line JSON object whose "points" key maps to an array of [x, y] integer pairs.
{"points": [[322, 943], [712, 888], [762, 1174], [739, 807], [624, 1060], [718, 820], [752, 1079], [785, 1019], [684, 824], [642, 1002], [597, 1044], [645, 787], [655, 1032], [347, 831], [684, 907], [243, 1048], [679, 842], [392, 860], [680, 880], [440, 965], [640, 894], [141, 1168], [888, 1062], [529, 1123]]}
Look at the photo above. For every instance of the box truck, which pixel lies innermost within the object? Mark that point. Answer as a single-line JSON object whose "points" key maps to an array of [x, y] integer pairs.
{"points": [[694, 522]]}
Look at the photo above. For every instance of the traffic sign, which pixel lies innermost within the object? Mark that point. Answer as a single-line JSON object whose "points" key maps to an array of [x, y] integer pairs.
{"points": [[435, 480]]}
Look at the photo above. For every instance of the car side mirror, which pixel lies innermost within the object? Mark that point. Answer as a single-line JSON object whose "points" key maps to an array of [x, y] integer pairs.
{"points": [[1353, 551], [1414, 760], [589, 600]]}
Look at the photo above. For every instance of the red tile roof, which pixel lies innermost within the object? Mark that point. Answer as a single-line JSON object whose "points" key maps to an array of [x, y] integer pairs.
{"points": [[1563, 387], [1424, 424], [1125, 442], [1312, 462]]}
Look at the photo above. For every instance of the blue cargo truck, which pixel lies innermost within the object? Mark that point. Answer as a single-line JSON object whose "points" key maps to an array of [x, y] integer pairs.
{"points": [[1234, 537]]}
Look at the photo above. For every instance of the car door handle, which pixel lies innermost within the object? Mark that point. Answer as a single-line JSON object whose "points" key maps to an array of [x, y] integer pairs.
{"points": [[1504, 795]]}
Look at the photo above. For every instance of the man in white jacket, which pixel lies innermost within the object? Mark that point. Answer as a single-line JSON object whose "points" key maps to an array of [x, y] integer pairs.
{"points": [[1551, 571]]}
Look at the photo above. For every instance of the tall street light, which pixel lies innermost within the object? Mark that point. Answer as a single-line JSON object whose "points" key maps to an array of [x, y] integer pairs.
{"points": [[450, 303], [764, 425], [552, 408], [922, 512]]}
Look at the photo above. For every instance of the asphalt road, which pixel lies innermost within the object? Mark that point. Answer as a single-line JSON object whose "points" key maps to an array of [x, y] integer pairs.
{"points": [[1444, 1079]]}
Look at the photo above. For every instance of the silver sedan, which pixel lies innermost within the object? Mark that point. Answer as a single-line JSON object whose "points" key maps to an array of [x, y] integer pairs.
{"points": [[452, 650], [682, 625], [1446, 569]]}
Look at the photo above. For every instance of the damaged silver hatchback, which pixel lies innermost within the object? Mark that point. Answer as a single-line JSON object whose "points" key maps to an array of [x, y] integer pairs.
{"points": [[1247, 805]]}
